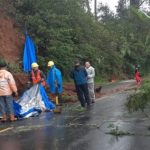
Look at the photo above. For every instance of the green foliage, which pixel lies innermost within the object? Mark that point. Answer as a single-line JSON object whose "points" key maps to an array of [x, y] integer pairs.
{"points": [[2, 61], [63, 31], [115, 131], [119, 133], [15, 68], [141, 98]]}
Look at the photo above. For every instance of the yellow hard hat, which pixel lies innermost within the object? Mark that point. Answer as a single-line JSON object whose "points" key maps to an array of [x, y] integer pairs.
{"points": [[50, 64], [34, 65]]}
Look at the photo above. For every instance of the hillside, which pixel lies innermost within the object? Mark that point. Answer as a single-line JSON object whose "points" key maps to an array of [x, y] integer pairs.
{"points": [[11, 40]]}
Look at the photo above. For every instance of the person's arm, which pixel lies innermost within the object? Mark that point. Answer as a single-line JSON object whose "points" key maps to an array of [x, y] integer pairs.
{"points": [[12, 84], [30, 77], [72, 75], [92, 75], [85, 72], [43, 75], [58, 78]]}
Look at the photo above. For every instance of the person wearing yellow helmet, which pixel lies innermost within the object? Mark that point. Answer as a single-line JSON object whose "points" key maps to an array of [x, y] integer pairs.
{"points": [[50, 64], [37, 76], [54, 80]]}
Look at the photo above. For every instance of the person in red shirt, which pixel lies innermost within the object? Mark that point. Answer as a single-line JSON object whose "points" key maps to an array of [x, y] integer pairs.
{"points": [[137, 76]]}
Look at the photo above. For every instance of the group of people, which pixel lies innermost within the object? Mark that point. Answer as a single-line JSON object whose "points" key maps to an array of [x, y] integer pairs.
{"points": [[8, 86], [83, 77], [53, 80], [84, 82]]}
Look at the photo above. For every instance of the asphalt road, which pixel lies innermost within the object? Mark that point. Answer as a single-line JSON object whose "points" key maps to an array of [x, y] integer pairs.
{"points": [[82, 129]]}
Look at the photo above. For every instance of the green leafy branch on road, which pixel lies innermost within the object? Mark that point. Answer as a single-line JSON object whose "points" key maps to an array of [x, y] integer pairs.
{"points": [[141, 98], [117, 132]]}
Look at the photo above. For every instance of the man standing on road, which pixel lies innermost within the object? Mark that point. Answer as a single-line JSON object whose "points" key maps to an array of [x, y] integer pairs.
{"points": [[90, 80], [7, 88], [54, 81], [79, 75], [37, 76]]}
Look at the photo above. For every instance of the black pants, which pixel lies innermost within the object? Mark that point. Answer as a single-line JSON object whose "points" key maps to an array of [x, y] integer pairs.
{"points": [[83, 94]]}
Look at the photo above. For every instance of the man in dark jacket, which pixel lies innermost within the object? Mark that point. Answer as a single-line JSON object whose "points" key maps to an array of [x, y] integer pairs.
{"points": [[79, 75]]}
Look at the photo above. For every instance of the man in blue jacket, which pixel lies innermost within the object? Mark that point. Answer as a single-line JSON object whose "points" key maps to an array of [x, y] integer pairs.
{"points": [[79, 75], [54, 80]]}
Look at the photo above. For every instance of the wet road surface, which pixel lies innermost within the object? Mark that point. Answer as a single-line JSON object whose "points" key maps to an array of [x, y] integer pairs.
{"points": [[82, 129]]}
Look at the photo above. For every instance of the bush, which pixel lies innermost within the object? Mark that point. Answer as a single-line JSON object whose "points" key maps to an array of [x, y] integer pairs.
{"points": [[13, 67], [141, 98]]}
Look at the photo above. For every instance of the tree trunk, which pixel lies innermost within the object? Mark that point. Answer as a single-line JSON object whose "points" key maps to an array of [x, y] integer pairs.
{"points": [[95, 8], [88, 6], [135, 3]]}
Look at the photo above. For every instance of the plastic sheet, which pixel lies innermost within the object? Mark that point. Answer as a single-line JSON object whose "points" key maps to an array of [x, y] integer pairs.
{"points": [[33, 102]]}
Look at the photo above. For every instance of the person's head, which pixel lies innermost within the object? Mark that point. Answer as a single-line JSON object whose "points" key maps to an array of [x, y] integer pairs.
{"points": [[50, 64], [136, 69], [77, 63], [87, 64], [35, 66], [3, 65]]}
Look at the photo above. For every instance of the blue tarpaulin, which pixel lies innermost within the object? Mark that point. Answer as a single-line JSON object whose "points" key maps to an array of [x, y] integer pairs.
{"points": [[33, 102], [29, 55]]}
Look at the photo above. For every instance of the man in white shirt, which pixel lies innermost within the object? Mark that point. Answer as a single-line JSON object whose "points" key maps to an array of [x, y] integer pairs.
{"points": [[91, 74]]}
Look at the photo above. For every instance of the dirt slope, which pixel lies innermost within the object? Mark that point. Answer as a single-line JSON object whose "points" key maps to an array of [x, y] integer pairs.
{"points": [[11, 41], [11, 46]]}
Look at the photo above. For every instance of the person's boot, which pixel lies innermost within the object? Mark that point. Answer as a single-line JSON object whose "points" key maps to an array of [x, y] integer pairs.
{"points": [[12, 118], [4, 119]]}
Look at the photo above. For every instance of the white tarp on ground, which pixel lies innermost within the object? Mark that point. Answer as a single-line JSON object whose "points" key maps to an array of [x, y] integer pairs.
{"points": [[33, 101]]}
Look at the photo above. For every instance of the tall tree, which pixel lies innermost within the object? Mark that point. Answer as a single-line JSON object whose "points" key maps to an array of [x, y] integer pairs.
{"points": [[95, 8], [135, 3], [104, 13], [138, 3], [88, 6], [64, 29], [121, 8]]}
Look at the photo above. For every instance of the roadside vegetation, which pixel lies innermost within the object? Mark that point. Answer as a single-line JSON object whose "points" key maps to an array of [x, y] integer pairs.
{"points": [[141, 99], [66, 30], [13, 67]]}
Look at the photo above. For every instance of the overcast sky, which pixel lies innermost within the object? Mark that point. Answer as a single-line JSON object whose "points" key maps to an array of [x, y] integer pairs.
{"points": [[110, 3], [113, 3]]}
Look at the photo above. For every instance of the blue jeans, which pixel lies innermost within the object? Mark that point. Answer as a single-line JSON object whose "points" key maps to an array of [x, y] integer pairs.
{"points": [[6, 104]]}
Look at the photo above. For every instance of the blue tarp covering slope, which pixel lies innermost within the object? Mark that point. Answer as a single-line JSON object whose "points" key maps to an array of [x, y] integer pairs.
{"points": [[29, 54]]}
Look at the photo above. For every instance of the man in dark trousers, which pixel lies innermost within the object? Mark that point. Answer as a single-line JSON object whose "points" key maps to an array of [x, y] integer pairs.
{"points": [[79, 75]]}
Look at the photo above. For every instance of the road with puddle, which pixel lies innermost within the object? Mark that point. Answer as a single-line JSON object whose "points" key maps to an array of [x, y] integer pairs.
{"points": [[107, 125]]}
